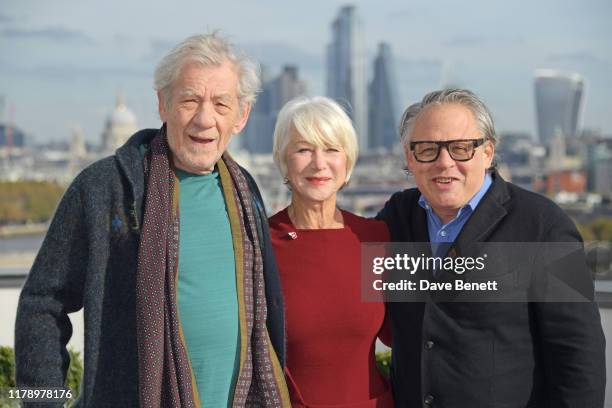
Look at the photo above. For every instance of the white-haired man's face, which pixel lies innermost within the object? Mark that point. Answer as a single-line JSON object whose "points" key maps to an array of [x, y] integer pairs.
{"points": [[202, 114]]}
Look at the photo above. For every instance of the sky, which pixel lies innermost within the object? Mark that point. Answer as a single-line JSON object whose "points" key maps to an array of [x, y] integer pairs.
{"points": [[63, 62]]}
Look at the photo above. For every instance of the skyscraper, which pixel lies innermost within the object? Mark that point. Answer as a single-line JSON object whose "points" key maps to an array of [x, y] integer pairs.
{"points": [[346, 78], [559, 101], [382, 100], [258, 134]]}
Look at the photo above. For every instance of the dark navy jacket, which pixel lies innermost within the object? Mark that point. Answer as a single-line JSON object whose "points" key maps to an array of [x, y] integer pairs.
{"points": [[502, 355]]}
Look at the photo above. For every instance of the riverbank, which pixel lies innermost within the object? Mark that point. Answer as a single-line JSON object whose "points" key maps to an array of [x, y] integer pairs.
{"points": [[11, 231], [17, 260]]}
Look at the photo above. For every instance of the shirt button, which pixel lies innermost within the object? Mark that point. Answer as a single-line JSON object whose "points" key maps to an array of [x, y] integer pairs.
{"points": [[429, 399], [443, 233], [429, 345]]}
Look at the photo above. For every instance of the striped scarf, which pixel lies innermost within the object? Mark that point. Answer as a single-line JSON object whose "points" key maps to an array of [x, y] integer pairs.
{"points": [[164, 370]]}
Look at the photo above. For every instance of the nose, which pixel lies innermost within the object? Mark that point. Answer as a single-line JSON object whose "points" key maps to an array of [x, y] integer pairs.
{"points": [[318, 159], [444, 159], [204, 117]]}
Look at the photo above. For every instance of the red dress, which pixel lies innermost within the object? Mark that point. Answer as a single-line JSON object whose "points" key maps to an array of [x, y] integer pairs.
{"points": [[331, 333]]}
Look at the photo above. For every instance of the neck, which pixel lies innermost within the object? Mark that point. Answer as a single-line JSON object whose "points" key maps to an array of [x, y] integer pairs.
{"points": [[315, 215], [446, 216]]}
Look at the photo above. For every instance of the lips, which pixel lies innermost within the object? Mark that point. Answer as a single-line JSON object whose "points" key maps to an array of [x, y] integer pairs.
{"points": [[201, 140], [444, 181], [318, 180]]}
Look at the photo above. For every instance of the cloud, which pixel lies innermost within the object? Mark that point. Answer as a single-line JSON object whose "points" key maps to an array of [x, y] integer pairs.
{"points": [[4, 19], [279, 54], [422, 63], [583, 57], [56, 34], [70, 72], [272, 55], [409, 14], [157, 49], [468, 41], [477, 40]]}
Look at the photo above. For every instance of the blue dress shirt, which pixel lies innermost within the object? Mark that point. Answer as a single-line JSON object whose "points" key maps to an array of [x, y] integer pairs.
{"points": [[442, 235]]}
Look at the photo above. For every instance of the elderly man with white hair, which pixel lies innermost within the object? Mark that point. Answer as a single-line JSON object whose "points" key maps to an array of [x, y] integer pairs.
{"points": [[165, 246]]}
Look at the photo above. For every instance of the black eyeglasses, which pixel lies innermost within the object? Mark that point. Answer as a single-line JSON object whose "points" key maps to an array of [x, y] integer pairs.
{"points": [[428, 151]]}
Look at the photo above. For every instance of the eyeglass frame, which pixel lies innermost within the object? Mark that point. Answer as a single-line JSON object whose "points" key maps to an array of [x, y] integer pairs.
{"points": [[440, 144]]}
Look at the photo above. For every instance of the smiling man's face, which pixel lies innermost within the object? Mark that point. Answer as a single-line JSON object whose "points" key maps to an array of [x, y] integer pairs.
{"points": [[448, 184], [202, 115]]}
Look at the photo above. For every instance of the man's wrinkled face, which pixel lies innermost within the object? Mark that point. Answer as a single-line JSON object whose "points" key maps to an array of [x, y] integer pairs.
{"points": [[202, 114], [448, 184]]}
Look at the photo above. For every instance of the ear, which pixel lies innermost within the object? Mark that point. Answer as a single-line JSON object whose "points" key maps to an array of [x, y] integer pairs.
{"points": [[161, 107], [242, 120], [489, 152], [409, 158]]}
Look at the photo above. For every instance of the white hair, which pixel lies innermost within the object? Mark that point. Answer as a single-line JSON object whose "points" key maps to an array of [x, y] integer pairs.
{"points": [[320, 121], [208, 50]]}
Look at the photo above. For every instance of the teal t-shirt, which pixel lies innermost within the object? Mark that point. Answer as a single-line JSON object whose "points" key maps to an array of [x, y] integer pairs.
{"points": [[207, 294]]}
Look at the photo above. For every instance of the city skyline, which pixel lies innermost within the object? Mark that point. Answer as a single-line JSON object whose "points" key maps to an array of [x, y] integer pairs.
{"points": [[63, 63]]}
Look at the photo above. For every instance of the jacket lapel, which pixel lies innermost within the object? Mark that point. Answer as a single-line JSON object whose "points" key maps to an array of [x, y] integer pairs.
{"points": [[420, 231], [488, 214]]}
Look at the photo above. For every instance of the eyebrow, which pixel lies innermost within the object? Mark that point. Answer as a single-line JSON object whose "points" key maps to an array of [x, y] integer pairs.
{"points": [[188, 92], [224, 96]]}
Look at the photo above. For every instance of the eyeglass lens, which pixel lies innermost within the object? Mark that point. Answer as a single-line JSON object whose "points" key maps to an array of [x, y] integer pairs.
{"points": [[458, 150]]}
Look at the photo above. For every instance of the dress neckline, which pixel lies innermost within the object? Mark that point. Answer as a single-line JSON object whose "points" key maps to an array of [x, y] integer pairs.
{"points": [[284, 214]]}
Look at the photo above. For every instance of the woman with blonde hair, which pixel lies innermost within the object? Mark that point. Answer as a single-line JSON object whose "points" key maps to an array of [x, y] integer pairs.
{"points": [[331, 333]]}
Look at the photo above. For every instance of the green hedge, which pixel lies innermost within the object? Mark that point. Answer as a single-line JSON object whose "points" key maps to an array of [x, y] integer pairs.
{"points": [[383, 362], [7, 374]]}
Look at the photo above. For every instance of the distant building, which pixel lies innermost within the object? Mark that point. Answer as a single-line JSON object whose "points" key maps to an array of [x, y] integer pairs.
{"points": [[599, 163], [120, 125], [346, 71], [559, 98], [258, 134], [382, 101], [78, 150], [568, 181], [10, 136], [602, 175], [12, 141], [520, 159]]}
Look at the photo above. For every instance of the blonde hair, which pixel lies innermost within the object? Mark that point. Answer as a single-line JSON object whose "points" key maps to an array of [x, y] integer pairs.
{"points": [[321, 122]]}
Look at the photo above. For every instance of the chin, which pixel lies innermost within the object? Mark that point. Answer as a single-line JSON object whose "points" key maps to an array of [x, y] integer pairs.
{"points": [[320, 197], [201, 162]]}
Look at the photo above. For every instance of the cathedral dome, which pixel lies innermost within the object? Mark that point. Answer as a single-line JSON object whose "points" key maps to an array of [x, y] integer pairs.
{"points": [[122, 115], [120, 125]]}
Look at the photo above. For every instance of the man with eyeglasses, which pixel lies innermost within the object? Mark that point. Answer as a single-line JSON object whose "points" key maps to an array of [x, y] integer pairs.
{"points": [[470, 354]]}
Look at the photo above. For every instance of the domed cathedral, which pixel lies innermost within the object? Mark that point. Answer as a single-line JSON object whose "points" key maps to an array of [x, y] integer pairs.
{"points": [[120, 125]]}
